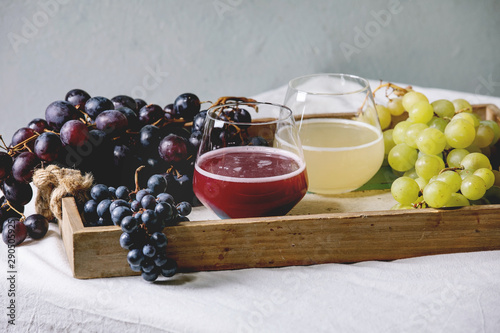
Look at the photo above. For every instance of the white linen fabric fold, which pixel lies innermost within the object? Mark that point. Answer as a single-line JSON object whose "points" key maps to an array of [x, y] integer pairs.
{"points": [[443, 293]]}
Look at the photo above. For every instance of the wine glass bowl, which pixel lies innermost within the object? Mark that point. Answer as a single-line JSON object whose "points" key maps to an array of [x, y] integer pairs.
{"points": [[338, 125], [250, 161]]}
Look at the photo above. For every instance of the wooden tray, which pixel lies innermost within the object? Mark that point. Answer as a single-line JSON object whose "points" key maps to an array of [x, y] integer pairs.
{"points": [[339, 237]]}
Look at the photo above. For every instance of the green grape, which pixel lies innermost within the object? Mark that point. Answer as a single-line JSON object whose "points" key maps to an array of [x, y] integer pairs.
{"points": [[443, 108], [451, 178], [494, 126], [411, 98], [395, 106], [465, 173], [473, 187], [457, 200], [384, 116], [422, 183], [388, 141], [402, 157], [474, 161], [455, 156], [460, 133], [400, 206], [473, 149], [400, 131], [431, 141], [437, 194], [484, 136], [411, 173], [421, 112], [487, 175], [428, 166], [461, 105], [497, 177], [493, 195], [419, 200], [412, 134], [438, 123], [405, 190], [470, 117]]}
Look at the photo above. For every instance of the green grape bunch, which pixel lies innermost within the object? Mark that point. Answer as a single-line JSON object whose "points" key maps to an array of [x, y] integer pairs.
{"points": [[440, 150]]}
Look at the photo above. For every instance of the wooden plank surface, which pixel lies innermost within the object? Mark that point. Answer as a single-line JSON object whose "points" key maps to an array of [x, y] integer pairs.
{"points": [[297, 240]]}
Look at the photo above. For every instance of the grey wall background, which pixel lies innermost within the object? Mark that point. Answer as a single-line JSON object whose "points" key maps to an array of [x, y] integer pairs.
{"points": [[160, 48]]}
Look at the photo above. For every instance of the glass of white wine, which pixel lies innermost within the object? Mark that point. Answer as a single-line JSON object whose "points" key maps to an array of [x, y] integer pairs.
{"points": [[339, 129]]}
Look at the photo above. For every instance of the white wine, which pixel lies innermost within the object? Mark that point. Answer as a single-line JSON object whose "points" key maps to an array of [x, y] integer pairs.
{"points": [[341, 155]]}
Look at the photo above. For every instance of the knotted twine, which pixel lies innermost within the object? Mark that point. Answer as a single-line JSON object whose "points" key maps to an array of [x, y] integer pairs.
{"points": [[55, 183]]}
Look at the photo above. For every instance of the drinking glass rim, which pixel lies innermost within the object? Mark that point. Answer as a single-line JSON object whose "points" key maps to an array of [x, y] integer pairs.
{"points": [[289, 114], [364, 87]]}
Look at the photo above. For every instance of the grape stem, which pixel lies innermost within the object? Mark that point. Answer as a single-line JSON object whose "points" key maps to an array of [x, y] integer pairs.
{"points": [[7, 203], [451, 169], [22, 145], [137, 187], [397, 90], [3, 142]]}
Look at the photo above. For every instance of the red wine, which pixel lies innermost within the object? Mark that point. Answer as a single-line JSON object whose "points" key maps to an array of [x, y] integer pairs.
{"points": [[249, 181]]}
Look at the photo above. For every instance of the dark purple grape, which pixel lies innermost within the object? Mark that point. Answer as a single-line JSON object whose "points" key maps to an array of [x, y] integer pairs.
{"points": [[199, 121], [141, 193], [16, 192], [96, 105], [39, 125], [149, 136], [170, 112], [37, 226], [150, 114], [23, 134], [132, 118], [184, 208], [111, 122], [242, 116], [258, 141], [119, 213], [159, 240], [5, 165], [78, 98], [117, 203], [174, 149], [24, 166], [160, 258], [125, 101], [6, 211], [150, 276], [149, 250], [164, 210], [195, 139], [47, 146], [148, 202], [187, 106], [165, 197], [14, 231], [122, 155], [122, 192], [74, 133], [129, 224], [140, 103], [90, 211], [135, 256], [170, 268], [157, 184], [59, 112]]}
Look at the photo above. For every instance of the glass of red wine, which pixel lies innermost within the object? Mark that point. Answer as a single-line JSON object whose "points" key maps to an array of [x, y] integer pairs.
{"points": [[250, 161]]}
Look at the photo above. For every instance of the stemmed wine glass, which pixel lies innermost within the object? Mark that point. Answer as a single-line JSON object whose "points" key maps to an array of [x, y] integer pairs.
{"points": [[250, 161], [338, 125]]}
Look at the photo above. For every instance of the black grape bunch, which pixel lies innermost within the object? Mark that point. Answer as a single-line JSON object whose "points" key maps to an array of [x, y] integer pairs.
{"points": [[109, 138]]}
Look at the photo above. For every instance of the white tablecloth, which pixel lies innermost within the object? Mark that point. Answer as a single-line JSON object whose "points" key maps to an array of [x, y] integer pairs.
{"points": [[444, 293]]}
